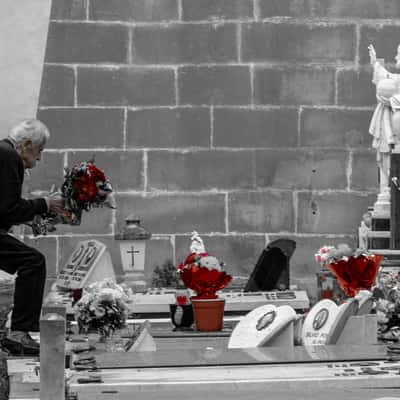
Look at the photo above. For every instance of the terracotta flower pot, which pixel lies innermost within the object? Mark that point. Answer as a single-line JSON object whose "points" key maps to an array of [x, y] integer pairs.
{"points": [[208, 314]]}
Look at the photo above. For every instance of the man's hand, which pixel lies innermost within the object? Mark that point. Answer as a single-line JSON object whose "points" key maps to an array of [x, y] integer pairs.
{"points": [[56, 203]]}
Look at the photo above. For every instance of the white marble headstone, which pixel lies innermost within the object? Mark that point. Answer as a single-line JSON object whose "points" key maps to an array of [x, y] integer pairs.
{"points": [[325, 322], [261, 325], [318, 323]]}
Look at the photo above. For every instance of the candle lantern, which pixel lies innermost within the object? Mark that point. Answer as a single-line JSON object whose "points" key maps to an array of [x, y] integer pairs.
{"points": [[132, 245]]}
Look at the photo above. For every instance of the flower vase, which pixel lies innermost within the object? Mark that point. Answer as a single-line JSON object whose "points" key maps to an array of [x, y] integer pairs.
{"points": [[208, 314]]}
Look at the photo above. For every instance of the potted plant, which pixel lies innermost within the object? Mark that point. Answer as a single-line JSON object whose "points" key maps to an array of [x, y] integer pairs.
{"points": [[204, 275]]}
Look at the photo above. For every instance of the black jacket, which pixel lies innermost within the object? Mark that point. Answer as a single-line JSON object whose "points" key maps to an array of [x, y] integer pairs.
{"points": [[13, 209]]}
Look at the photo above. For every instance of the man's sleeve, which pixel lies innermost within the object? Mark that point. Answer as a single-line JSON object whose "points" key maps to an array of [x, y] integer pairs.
{"points": [[13, 208]]}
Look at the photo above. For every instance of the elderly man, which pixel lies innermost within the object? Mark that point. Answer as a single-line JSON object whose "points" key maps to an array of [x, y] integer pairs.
{"points": [[20, 151]]}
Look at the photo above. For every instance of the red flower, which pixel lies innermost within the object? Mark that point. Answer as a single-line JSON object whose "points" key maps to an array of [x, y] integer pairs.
{"points": [[85, 183], [205, 282], [356, 273], [181, 300]]}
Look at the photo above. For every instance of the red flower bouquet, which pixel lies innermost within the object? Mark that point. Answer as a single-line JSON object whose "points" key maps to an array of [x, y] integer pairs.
{"points": [[201, 272], [85, 186], [354, 270]]}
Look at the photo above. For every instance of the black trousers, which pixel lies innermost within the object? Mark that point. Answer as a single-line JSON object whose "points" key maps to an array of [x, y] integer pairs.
{"points": [[30, 266]]}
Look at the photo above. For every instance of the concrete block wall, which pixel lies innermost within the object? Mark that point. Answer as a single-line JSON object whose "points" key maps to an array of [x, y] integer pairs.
{"points": [[246, 120]]}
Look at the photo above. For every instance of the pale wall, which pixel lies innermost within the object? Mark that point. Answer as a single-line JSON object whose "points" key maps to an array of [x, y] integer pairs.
{"points": [[23, 34]]}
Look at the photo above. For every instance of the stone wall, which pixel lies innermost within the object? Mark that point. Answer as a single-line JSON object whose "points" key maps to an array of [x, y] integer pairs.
{"points": [[246, 120]]}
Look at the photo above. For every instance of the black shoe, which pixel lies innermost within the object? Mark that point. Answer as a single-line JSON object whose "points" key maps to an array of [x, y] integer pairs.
{"points": [[21, 344]]}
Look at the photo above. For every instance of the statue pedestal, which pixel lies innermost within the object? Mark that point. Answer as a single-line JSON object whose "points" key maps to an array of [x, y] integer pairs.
{"points": [[382, 205]]}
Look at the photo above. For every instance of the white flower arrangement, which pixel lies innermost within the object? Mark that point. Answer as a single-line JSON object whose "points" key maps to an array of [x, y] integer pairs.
{"points": [[103, 307]]}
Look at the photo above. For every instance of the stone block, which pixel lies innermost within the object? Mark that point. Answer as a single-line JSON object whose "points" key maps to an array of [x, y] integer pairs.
{"points": [[241, 127], [57, 88], [269, 211], [86, 43], [159, 250], [124, 169], [97, 221], [302, 169], [335, 127], [49, 171], [83, 127], [184, 43], [239, 252], [175, 213], [364, 171], [200, 170], [219, 85], [294, 86], [332, 213], [302, 263], [68, 10], [330, 8], [48, 247], [383, 37], [298, 42], [134, 10], [126, 86], [355, 88], [169, 127], [211, 10]]}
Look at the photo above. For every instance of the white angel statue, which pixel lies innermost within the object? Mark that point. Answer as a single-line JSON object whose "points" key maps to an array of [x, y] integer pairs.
{"points": [[197, 245], [385, 122]]}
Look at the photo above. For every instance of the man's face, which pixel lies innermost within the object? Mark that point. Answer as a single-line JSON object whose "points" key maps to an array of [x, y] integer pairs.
{"points": [[30, 153]]}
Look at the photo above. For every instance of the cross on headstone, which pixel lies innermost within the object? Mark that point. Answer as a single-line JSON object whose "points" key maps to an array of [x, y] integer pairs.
{"points": [[132, 253]]}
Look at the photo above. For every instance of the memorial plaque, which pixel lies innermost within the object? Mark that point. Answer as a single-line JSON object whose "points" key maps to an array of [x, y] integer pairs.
{"points": [[89, 262], [272, 269], [318, 323], [261, 325], [325, 322]]}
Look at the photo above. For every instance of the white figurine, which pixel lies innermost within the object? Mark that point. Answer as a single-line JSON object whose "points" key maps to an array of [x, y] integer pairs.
{"points": [[385, 122], [197, 245]]}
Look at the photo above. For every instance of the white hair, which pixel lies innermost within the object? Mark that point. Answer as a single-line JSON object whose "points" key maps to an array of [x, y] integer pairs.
{"points": [[32, 129]]}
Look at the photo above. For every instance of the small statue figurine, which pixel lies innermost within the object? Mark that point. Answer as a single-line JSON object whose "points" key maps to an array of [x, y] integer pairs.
{"points": [[385, 122], [197, 245]]}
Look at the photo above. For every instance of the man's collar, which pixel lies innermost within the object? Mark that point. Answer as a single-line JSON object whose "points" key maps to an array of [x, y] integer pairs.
{"points": [[11, 141]]}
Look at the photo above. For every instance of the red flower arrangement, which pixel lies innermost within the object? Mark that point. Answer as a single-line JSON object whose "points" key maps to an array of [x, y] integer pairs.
{"points": [[354, 270], [85, 186], [201, 272]]}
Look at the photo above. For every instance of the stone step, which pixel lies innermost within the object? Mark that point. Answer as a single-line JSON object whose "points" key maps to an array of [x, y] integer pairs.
{"points": [[390, 254], [378, 242], [378, 234], [380, 224]]}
